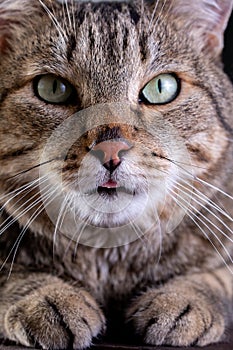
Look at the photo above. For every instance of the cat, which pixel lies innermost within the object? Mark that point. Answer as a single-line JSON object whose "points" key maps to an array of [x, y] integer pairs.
{"points": [[115, 172]]}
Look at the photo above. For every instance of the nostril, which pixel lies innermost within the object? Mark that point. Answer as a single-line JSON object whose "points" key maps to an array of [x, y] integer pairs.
{"points": [[99, 154], [110, 152], [121, 153]]}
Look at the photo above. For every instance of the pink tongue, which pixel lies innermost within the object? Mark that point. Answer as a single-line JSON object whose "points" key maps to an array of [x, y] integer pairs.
{"points": [[110, 184]]}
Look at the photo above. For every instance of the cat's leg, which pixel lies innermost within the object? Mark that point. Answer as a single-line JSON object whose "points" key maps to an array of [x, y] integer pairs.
{"points": [[42, 310], [186, 311]]}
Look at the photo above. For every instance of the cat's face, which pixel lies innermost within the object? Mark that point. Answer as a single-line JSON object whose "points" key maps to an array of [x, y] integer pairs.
{"points": [[120, 108]]}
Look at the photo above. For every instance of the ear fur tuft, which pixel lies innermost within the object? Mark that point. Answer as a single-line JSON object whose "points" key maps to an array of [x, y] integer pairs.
{"points": [[14, 14], [205, 18]]}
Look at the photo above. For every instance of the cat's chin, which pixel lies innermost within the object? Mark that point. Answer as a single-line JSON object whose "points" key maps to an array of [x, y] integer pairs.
{"points": [[103, 217], [110, 207], [109, 219], [98, 205]]}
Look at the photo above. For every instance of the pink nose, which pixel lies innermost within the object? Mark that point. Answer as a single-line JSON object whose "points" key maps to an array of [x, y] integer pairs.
{"points": [[110, 152]]}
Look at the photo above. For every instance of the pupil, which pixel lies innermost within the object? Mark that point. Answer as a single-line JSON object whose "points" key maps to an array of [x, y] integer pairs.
{"points": [[160, 86], [54, 86]]}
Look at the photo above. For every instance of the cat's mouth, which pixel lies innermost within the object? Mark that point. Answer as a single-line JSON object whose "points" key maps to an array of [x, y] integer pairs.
{"points": [[111, 189], [108, 189], [114, 192], [110, 184]]}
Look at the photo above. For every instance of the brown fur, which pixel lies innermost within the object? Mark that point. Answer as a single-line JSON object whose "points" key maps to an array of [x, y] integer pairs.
{"points": [[172, 285]]}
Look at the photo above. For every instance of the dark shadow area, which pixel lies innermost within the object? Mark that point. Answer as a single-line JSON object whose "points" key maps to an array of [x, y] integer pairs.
{"points": [[228, 50]]}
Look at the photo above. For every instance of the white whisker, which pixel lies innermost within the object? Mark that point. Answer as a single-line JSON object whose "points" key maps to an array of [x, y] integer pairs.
{"points": [[39, 210], [29, 188], [202, 215], [77, 241], [191, 214], [6, 225], [214, 187], [60, 219], [18, 191], [206, 208], [203, 182], [73, 18], [153, 14], [15, 247], [69, 16], [57, 25], [205, 199]]}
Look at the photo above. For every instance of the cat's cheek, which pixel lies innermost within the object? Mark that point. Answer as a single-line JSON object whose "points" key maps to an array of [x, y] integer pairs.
{"points": [[204, 155]]}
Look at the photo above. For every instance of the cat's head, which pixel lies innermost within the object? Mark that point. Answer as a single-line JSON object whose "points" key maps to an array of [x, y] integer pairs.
{"points": [[120, 109]]}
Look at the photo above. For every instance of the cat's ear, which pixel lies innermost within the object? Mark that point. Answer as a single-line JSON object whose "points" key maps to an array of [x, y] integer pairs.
{"points": [[14, 15], [206, 20]]}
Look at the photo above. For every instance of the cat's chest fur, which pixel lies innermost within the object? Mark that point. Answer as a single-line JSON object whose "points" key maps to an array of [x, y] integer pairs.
{"points": [[112, 273]]}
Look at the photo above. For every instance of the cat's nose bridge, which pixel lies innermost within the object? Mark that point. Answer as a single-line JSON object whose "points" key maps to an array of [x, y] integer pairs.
{"points": [[110, 152]]}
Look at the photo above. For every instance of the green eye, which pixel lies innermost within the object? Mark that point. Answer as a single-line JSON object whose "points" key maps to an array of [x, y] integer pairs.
{"points": [[161, 90], [53, 89]]}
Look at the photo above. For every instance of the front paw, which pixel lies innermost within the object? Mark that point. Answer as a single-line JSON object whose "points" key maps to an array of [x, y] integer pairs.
{"points": [[57, 316], [176, 317]]}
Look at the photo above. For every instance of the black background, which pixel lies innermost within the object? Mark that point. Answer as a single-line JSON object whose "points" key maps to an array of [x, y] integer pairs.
{"points": [[228, 50]]}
